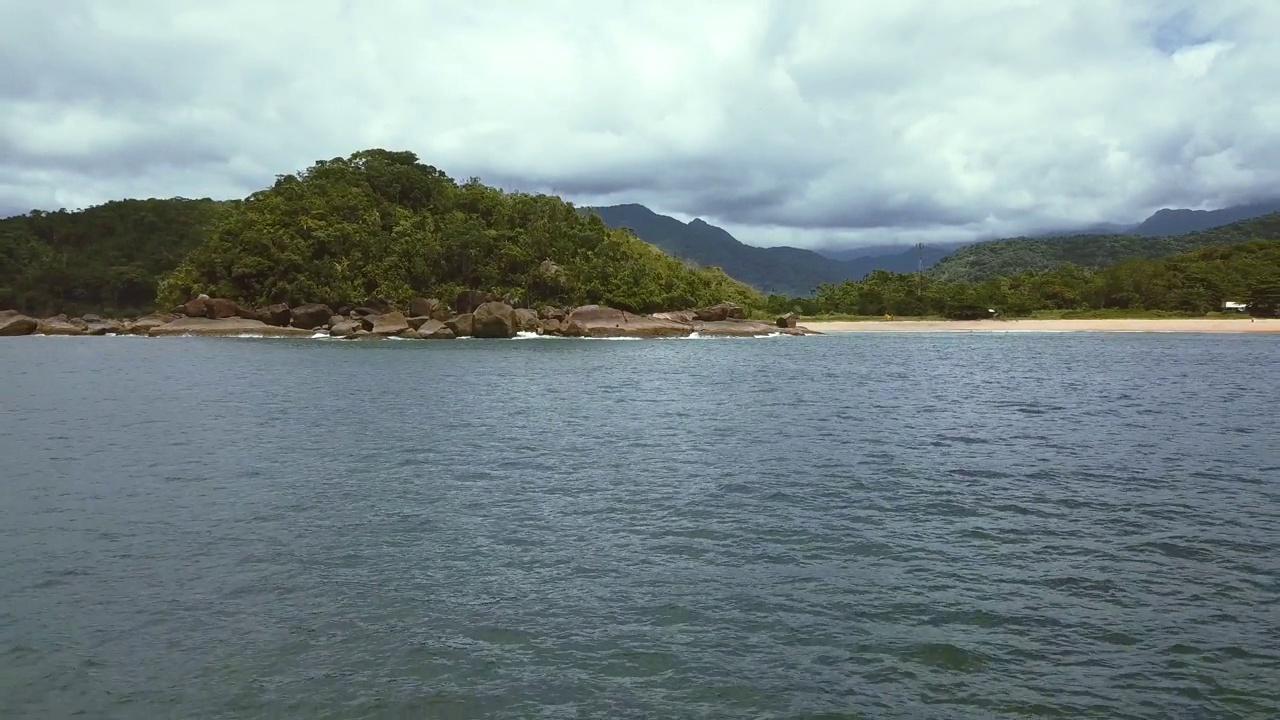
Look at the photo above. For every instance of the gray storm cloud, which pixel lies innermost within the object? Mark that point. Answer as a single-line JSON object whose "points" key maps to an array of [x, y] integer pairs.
{"points": [[799, 123]]}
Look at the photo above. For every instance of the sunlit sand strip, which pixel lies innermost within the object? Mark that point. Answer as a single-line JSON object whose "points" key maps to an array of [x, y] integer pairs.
{"points": [[1171, 325]]}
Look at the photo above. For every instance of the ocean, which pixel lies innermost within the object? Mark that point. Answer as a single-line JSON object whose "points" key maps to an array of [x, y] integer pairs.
{"points": [[927, 525]]}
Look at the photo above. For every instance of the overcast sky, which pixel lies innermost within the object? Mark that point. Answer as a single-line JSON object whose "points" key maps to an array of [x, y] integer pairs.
{"points": [[790, 122]]}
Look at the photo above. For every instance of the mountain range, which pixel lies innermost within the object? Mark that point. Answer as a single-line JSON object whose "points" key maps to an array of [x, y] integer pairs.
{"points": [[773, 270], [797, 271]]}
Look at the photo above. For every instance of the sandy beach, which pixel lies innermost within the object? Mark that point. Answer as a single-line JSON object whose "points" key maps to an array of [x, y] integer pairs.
{"points": [[1171, 325]]}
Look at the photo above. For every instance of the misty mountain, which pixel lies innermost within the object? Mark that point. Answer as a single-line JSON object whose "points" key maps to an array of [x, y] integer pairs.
{"points": [[932, 253], [1178, 222], [774, 270], [1014, 256]]}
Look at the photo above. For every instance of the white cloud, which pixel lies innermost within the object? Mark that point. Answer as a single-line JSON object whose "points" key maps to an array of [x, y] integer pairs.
{"points": [[784, 121]]}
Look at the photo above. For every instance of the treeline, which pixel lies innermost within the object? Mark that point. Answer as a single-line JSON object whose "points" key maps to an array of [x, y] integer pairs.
{"points": [[1006, 258], [1193, 282], [108, 258]]}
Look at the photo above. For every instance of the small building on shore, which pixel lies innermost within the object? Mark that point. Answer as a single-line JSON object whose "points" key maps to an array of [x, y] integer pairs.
{"points": [[1233, 306]]}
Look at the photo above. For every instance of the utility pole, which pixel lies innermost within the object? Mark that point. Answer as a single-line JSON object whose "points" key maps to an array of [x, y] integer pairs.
{"points": [[919, 270]]}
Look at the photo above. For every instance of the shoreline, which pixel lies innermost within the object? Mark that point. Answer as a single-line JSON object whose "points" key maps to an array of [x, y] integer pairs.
{"points": [[1147, 325]]}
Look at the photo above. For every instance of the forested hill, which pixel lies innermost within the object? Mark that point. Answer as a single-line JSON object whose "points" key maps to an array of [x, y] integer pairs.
{"points": [[773, 270], [1003, 258], [102, 259], [376, 224], [381, 224]]}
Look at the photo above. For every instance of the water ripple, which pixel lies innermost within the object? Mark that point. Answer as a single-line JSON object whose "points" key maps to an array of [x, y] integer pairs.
{"points": [[934, 526]]}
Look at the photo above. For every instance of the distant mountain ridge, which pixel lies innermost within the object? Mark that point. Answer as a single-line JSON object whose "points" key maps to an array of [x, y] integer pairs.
{"points": [[1004, 258], [1178, 222], [773, 270], [797, 272]]}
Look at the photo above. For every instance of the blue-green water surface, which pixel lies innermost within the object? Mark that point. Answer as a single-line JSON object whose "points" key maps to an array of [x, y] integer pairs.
{"points": [[987, 526]]}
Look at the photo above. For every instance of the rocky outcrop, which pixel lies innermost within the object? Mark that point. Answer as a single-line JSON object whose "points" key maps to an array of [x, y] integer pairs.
{"points": [[219, 308], [491, 319], [600, 321], [277, 315], [716, 313], [468, 300], [494, 320], [379, 306], [195, 307], [346, 328], [225, 327], [461, 325], [61, 325], [424, 307], [740, 328], [310, 316], [680, 316], [527, 321], [143, 325], [12, 324], [435, 330], [102, 327], [388, 324]]}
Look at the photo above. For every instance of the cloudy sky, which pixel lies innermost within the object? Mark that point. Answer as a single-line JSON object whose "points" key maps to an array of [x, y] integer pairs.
{"points": [[788, 122]]}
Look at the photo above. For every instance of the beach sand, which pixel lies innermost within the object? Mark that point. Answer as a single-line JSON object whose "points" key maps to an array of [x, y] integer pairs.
{"points": [[1171, 325]]}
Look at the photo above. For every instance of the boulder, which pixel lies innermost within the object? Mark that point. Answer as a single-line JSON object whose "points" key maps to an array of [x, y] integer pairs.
{"points": [[196, 307], [787, 321], [527, 321], [144, 324], [552, 326], [461, 325], [599, 321], [735, 328], [335, 319], [90, 318], [345, 328], [104, 327], [680, 316], [310, 316], [494, 320], [743, 328], [424, 307], [225, 327], [716, 313], [387, 324], [277, 315], [363, 311], [435, 330], [379, 306], [218, 308], [60, 325], [11, 324], [418, 321], [468, 300], [551, 313]]}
